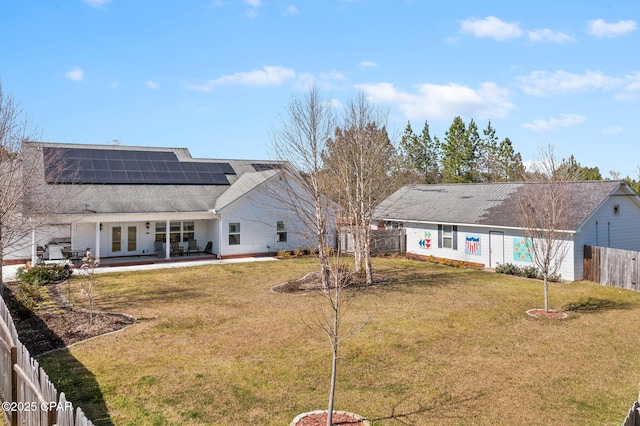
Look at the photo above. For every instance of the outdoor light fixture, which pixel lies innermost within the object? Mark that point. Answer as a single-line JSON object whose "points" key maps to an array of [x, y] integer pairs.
{"points": [[148, 225], [101, 226]]}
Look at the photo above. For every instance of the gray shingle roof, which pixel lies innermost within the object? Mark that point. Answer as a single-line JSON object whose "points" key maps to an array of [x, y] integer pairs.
{"points": [[140, 198], [490, 204]]}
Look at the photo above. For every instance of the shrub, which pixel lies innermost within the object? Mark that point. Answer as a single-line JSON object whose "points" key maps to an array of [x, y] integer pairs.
{"points": [[43, 274], [283, 254], [525, 271], [508, 269], [28, 295], [298, 253]]}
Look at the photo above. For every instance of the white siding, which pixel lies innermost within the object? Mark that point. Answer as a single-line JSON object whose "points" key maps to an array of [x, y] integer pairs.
{"points": [[606, 229], [257, 215], [417, 232]]}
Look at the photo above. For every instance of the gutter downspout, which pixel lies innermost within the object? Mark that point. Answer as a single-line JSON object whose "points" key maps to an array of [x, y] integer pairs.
{"points": [[97, 249]]}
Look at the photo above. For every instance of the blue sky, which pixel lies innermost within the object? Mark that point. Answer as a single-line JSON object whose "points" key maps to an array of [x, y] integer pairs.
{"points": [[214, 76]]}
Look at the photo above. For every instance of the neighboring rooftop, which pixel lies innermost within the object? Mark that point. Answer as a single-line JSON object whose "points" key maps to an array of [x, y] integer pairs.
{"points": [[492, 204]]}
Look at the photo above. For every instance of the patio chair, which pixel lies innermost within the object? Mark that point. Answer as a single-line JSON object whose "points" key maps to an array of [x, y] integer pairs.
{"points": [[176, 249], [208, 248], [159, 249], [193, 247]]}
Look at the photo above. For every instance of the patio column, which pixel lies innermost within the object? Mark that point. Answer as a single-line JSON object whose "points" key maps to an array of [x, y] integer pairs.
{"points": [[167, 245], [97, 249]]}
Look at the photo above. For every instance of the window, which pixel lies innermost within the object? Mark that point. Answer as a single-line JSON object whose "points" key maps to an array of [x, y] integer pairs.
{"points": [[281, 232], [178, 231], [234, 234], [174, 231], [616, 209], [188, 231], [161, 231], [448, 236]]}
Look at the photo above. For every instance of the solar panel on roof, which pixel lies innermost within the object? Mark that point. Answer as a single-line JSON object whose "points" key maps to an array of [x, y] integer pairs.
{"points": [[260, 167], [111, 166]]}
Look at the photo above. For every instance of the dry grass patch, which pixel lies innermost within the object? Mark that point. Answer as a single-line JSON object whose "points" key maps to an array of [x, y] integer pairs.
{"points": [[445, 346]]}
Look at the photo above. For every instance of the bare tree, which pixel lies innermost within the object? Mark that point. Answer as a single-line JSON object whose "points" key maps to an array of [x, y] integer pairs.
{"points": [[331, 319], [543, 206], [360, 160], [300, 141], [25, 173], [17, 176]]}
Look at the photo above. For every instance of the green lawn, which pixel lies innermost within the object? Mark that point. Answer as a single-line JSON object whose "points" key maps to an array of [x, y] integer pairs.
{"points": [[444, 346]]}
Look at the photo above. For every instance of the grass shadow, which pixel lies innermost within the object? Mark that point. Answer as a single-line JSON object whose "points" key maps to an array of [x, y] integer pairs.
{"points": [[409, 417], [594, 304], [67, 374]]}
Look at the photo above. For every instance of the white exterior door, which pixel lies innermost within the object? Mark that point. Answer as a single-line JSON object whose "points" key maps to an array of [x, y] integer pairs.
{"points": [[124, 239], [496, 249]]}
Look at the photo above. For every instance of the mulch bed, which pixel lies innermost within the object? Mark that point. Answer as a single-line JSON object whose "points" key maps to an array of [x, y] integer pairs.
{"points": [[56, 326], [312, 282], [541, 313], [338, 418]]}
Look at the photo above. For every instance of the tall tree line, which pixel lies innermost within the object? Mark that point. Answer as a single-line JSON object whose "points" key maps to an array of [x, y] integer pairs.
{"points": [[462, 156]]}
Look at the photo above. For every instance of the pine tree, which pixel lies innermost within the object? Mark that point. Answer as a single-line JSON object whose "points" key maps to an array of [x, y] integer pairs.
{"points": [[419, 156]]}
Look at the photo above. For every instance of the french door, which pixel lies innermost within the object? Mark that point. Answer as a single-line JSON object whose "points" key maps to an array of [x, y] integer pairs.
{"points": [[124, 239]]}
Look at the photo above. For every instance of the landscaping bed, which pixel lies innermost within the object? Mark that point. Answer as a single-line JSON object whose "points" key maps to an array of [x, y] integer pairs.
{"points": [[53, 324]]}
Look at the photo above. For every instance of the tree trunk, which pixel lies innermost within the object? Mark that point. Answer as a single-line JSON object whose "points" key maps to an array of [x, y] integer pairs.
{"points": [[546, 293], [334, 344]]}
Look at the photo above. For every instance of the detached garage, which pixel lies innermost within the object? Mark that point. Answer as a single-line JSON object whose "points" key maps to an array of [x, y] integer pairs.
{"points": [[479, 223]]}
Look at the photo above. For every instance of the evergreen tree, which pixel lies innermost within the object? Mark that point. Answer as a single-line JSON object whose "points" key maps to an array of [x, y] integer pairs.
{"points": [[420, 156], [459, 152], [581, 172], [511, 168]]}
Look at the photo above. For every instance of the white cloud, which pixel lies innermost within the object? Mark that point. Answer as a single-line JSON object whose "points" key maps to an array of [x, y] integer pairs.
{"points": [[152, 85], [491, 27], [542, 83], [549, 35], [564, 120], [612, 131], [97, 3], [599, 28], [434, 101], [291, 10], [252, 13], [368, 64], [76, 74], [267, 76]]}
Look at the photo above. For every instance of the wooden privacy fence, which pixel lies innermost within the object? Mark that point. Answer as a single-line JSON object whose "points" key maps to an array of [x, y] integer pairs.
{"points": [[633, 418], [381, 241], [612, 267], [28, 396]]}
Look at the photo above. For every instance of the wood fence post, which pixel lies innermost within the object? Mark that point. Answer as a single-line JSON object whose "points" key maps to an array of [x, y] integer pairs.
{"points": [[14, 384]]}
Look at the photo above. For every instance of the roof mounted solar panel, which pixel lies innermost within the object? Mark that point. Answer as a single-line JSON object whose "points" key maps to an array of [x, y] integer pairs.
{"points": [[116, 166], [261, 167]]}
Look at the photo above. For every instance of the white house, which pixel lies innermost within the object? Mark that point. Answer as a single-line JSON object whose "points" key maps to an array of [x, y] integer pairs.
{"points": [[478, 222], [123, 201]]}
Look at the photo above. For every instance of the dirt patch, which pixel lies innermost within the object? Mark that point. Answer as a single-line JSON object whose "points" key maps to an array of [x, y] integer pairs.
{"points": [[319, 418], [313, 282], [55, 325], [541, 313]]}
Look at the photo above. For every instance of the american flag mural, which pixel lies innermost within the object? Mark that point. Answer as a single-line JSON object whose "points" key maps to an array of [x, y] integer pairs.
{"points": [[472, 244]]}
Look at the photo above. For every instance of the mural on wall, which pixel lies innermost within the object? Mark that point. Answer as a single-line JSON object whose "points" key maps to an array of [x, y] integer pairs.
{"points": [[522, 249], [472, 244], [426, 241]]}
